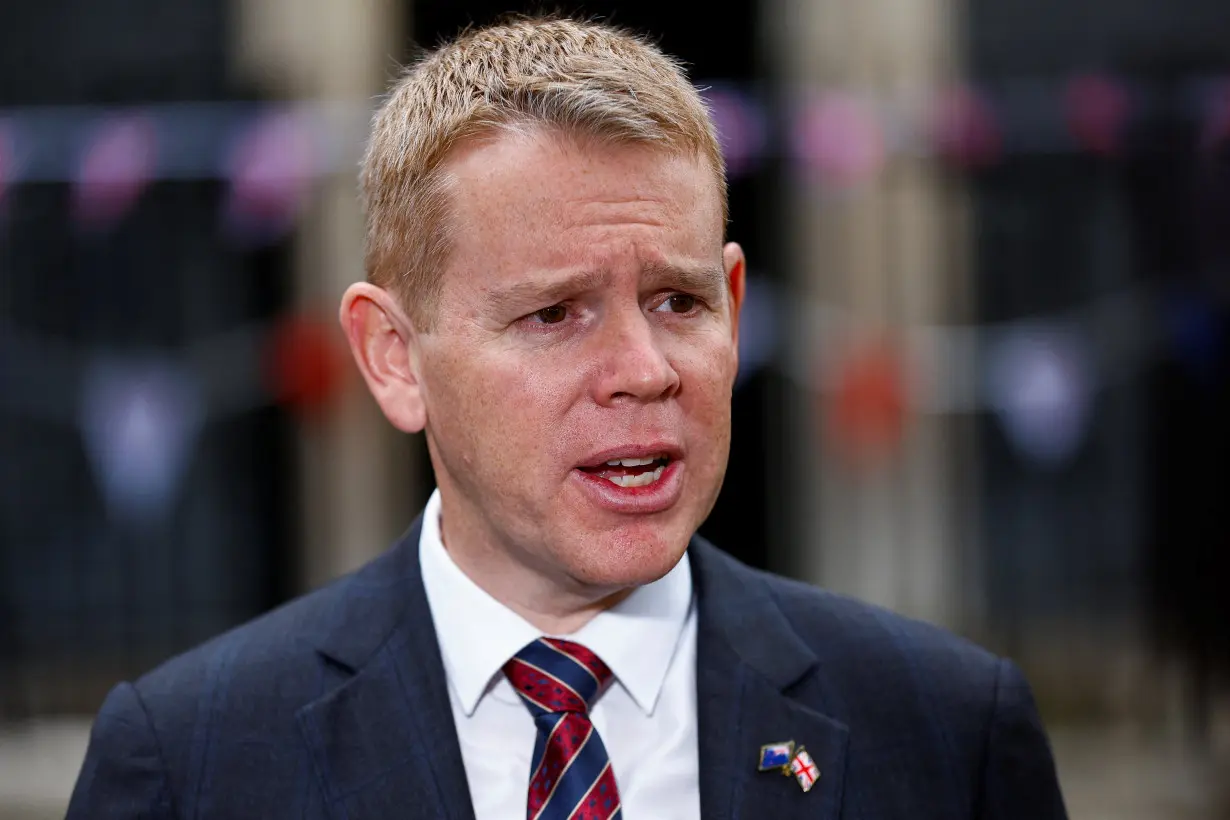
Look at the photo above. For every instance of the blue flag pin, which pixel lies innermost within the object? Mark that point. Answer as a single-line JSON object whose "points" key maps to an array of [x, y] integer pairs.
{"points": [[776, 755]]}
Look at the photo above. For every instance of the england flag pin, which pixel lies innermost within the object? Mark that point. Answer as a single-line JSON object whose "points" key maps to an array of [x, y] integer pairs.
{"points": [[804, 769]]}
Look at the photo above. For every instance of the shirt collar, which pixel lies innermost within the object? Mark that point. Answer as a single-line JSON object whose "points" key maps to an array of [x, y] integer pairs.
{"points": [[637, 637]]}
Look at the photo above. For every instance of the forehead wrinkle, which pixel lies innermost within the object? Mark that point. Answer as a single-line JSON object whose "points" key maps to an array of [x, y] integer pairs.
{"points": [[592, 210]]}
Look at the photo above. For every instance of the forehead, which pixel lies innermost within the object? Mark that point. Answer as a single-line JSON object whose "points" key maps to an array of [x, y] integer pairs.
{"points": [[538, 199]]}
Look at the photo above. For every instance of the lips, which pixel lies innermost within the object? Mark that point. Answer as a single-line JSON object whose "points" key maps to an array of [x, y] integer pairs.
{"points": [[638, 471], [632, 452], [634, 479]]}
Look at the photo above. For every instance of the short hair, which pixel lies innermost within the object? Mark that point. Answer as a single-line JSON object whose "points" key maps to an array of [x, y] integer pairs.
{"points": [[585, 79]]}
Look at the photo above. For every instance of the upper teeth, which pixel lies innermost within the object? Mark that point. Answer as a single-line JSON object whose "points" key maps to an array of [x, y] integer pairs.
{"points": [[638, 480], [632, 462]]}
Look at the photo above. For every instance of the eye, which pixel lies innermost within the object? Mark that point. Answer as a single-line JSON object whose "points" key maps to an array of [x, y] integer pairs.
{"points": [[678, 303], [551, 315], [682, 303]]}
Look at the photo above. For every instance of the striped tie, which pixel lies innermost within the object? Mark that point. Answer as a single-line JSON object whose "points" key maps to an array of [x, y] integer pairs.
{"points": [[570, 774]]}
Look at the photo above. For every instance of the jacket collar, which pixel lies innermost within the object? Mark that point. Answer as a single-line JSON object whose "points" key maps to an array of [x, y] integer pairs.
{"points": [[754, 673], [377, 599], [383, 742]]}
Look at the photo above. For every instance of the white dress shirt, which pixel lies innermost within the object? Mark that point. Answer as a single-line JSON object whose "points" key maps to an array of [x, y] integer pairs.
{"points": [[646, 718]]}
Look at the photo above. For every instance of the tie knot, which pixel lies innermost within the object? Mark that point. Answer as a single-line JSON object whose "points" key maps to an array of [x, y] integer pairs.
{"points": [[552, 675]]}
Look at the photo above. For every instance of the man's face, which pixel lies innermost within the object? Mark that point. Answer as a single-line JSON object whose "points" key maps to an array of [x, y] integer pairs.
{"points": [[587, 316]]}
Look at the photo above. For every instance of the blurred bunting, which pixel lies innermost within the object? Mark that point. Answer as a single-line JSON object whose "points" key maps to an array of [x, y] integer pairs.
{"points": [[7, 158], [270, 152], [964, 129], [140, 418], [270, 166], [840, 139], [1216, 131], [118, 161], [1039, 384], [1097, 109], [305, 363], [867, 411], [740, 126]]}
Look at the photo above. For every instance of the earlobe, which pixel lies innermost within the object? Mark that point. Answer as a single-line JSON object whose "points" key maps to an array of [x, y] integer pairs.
{"points": [[381, 338]]}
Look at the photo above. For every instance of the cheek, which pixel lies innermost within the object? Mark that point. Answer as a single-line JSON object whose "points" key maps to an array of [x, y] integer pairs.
{"points": [[499, 407], [705, 399], [708, 373]]}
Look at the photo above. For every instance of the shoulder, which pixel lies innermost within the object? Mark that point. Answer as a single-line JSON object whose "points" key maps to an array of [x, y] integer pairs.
{"points": [[267, 646], [228, 710], [866, 654], [260, 673], [834, 624], [903, 688]]}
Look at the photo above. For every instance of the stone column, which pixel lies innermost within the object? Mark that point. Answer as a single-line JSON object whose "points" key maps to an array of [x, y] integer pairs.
{"points": [[356, 470], [886, 256]]}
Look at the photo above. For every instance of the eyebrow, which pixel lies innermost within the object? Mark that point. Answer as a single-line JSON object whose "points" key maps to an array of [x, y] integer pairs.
{"points": [[546, 291], [706, 280]]}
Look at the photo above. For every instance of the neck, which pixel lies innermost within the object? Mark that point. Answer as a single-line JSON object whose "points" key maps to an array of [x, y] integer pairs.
{"points": [[552, 602]]}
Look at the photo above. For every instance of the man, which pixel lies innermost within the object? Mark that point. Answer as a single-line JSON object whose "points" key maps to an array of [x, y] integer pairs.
{"points": [[549, 299]]}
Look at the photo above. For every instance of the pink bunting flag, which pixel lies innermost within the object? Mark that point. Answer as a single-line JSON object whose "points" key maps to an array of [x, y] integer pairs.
{"points": [[740, 128], [839, 136], [8, 168], [1097, 109], [270, 168], [118, 162], [964, 129], [1216, 132]]}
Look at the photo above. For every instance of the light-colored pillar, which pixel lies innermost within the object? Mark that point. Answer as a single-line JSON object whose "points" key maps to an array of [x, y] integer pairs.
{"points": [[884, 256], [356, 471]]}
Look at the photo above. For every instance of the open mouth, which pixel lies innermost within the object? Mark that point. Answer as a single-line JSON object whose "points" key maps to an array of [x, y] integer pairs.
{"points": [[631, 472]]}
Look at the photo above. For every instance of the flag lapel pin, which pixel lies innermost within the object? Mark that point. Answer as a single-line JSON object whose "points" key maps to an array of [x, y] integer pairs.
{"points": [[776, 756], [804, 769]]}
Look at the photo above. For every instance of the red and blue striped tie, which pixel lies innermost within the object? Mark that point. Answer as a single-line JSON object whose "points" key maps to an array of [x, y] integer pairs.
{"points": [[570, 774]]}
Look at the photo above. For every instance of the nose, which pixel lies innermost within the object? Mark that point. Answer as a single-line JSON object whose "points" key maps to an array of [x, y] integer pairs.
{"points": [[633, 363]]}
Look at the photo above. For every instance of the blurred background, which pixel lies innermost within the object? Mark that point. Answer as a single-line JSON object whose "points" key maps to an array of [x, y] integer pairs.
{"points": [[985, 377]]}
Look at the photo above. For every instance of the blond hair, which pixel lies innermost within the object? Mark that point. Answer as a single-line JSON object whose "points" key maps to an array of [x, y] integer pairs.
{"points": [[585, 79]]}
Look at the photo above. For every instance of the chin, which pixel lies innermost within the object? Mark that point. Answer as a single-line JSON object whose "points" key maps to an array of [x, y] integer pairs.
{"points": [[623, 562]]}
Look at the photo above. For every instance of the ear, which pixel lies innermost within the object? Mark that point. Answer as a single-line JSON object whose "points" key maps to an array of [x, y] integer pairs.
{"points": [[736, 269], [384, 345]]}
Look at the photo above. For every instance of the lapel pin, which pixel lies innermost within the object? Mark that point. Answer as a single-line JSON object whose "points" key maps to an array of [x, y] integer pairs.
{"points": [[776, 755], [804, 769], [790, 761]]}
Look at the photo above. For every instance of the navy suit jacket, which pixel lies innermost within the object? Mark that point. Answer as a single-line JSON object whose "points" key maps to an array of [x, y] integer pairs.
{"points": [[335, 706]]}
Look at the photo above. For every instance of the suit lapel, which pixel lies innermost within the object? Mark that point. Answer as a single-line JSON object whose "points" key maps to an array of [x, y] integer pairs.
{"points": [[383, 742], [751, 666]]}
